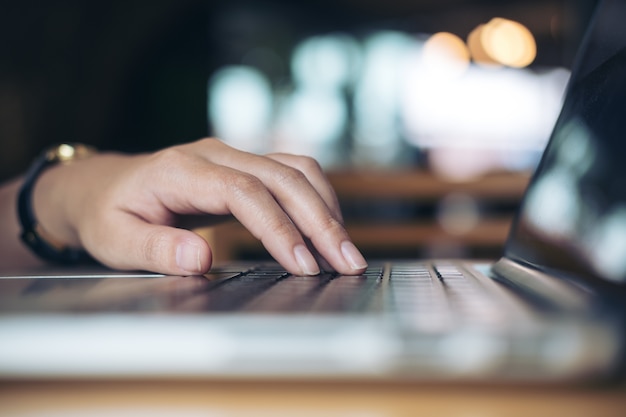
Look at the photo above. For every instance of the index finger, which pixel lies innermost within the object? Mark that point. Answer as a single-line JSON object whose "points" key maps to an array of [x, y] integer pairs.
{"points": [[313, 210], [315, 175]]}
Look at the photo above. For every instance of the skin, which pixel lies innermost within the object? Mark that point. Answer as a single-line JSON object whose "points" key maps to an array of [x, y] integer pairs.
{"points": [[130, 212]]}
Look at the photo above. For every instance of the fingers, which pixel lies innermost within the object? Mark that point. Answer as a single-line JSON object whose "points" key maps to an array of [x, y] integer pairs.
{"points": [[250, 201], [314, 174], [177, 181], [140, 245], [300, 201], [283, 200]]}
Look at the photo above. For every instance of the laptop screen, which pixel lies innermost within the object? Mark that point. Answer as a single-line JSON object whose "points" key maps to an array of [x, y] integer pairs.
{"points": [[573, 218]]}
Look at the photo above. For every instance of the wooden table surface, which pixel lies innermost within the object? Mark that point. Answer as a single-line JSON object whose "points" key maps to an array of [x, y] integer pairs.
{"points": [[272, 398]]}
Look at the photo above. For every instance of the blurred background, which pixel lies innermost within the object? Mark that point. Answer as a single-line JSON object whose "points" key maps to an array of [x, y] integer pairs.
{"points": [[427, 114]]}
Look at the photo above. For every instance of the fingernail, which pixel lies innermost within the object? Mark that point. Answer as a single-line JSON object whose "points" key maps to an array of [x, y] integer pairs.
{"points": [[305, 260], [352, 255], [188, 258]]}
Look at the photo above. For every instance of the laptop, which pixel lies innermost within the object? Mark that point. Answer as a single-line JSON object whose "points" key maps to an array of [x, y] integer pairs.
{"points": [[550, 310]]}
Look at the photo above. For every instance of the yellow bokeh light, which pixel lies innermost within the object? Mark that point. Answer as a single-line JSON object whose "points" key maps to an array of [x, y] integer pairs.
{"points": [[447, 52], [475, 45], [508, 42]]}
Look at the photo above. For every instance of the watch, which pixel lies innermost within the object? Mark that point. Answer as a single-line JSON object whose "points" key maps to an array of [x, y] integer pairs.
{"points": [[33, 235]]}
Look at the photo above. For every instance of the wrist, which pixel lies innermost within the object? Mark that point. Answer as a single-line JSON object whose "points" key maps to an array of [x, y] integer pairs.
{"points": [[51, 198], [43, 203]]}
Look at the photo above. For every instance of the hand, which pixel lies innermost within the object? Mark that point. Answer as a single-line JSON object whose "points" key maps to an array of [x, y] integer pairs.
{"points": [[126, 211]]}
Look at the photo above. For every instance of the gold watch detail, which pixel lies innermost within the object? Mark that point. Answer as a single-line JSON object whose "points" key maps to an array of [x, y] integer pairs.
{"points": [[33, 234]]}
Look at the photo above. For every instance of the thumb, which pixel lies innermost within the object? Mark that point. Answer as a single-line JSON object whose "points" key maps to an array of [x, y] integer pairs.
{"points": [[132, 243]]}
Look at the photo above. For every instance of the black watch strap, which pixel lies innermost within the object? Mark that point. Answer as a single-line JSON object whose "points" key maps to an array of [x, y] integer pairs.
{"points": [[33, 235]]}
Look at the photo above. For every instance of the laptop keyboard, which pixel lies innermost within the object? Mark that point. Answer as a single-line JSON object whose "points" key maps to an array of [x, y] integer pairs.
{"points": [[426, 294], [431, 296], [274, 290]]}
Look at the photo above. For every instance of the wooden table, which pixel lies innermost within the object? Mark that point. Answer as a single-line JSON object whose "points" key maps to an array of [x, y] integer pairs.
{"points": [[277, 399]]}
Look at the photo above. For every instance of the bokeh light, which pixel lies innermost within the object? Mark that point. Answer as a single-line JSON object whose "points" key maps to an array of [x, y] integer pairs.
{"points": [[446, 54], [477, 50], [240, 107], [377, 137], [502, 42], [385, 98], [327, 61]]}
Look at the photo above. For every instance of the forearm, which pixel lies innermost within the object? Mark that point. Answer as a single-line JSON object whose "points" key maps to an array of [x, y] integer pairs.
{"points": [[13, 253]]}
